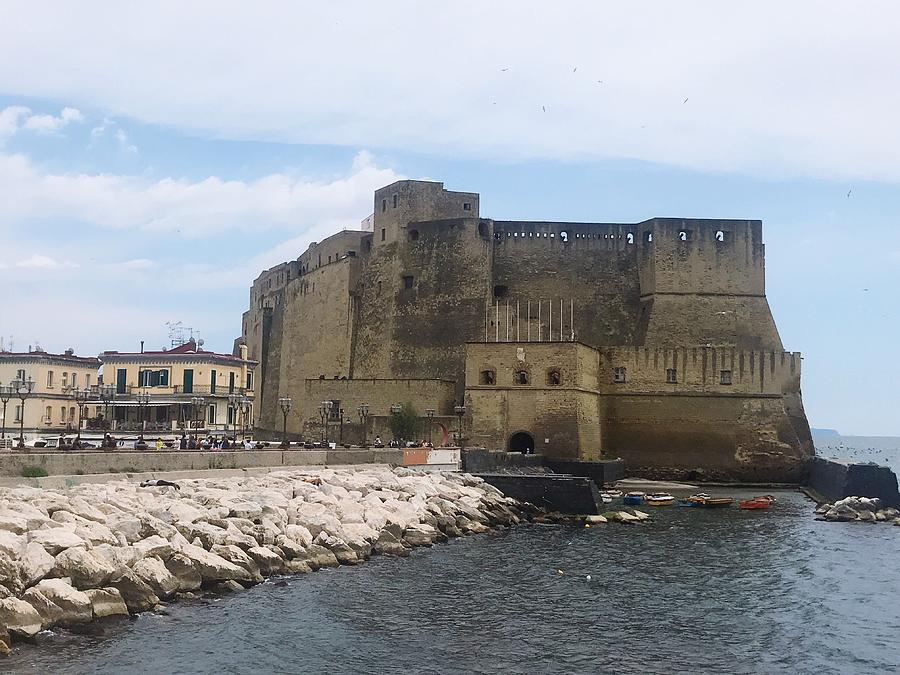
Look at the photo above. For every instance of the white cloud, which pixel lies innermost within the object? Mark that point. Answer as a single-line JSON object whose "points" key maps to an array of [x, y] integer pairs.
{"points": [[9, 120], [189, 208], [767, 90], [124, 142], [43, 262], [18, 117]]}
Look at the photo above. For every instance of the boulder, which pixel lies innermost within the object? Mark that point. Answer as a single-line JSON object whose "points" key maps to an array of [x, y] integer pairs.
{"points": [[269, 562], [640, 515], [865, 515], [107, 602], [625, 517], [297, 566], [153, 572], [57, 539], [154, 546], [299, 534], [75, 605], [84, 568], [183, 569], [15, 524], [135, 592], [289, 547], [11, 545], [595, 520], [419, 535], [318, 556], [35, 563], [117, 556], [19, 617], [5, 642], [128, 526], [209, 535], [227, 586], [237, 556], [388, 544], [50, 613], [214, 567]]}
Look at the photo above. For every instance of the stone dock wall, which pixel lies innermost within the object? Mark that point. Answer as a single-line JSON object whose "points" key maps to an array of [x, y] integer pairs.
{"points": [[836, 480], [72, 463]]}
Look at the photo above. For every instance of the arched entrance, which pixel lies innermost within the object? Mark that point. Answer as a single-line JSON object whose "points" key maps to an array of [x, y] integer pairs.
{"points": [[521, 441]]}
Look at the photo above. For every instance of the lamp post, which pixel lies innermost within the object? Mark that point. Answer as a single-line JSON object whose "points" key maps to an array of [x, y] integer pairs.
{"points": [[245, 413], [6, 393], [459, 410], [325, 414], [81, 397], [396, 409], [233, 400], [285, 403], [363, 411], [23, 389], [143, 399], [197, 404], [429, 413], [106, 392]]}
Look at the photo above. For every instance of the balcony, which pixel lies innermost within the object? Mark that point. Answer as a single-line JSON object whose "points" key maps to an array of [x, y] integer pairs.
{"points": [[176, 390]]}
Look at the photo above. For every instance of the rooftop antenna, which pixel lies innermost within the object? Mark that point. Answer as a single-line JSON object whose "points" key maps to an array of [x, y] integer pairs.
{"points": [[177, 332]]}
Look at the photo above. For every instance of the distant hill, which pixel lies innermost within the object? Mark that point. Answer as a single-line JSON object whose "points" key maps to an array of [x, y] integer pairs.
{"points": [[825, 433]]}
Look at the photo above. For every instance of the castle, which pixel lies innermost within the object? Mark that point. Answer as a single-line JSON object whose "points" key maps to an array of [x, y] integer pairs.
{"points": [[651, 341]]}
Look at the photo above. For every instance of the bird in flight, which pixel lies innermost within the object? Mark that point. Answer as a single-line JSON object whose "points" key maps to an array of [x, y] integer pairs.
{"points": [[544, 108], [503, 70], [684, 101], [848, 192], [574, 69]]}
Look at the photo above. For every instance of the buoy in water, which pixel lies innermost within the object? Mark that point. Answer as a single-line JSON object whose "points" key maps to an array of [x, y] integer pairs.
{"points": [[560, 572], [588, 577]]}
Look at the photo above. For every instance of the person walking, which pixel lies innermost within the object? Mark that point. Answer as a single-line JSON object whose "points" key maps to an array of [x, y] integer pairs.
{"points": [[159, 444]]}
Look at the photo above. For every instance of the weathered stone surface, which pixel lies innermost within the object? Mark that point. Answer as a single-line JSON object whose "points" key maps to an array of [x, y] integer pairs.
{"points": [[57, 539], [50, 613], [154, 545], [35, 563], [106, 602], [75, 605], [185, 572], [136, 593], [214, 567], [19, 617], [153, 572], [84, 568], [269, 562], [237, 556]]}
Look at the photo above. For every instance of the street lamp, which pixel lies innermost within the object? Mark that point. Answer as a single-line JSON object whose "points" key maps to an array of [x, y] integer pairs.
{"points": [[396, 409], [325, 413], [198, 403], [285, 403], [23, 389], [143, 399], [107, 393], [233, 400], [459, 410], [245, 413], [6, 393], [429, 413], [81, 397], [363, 411]]}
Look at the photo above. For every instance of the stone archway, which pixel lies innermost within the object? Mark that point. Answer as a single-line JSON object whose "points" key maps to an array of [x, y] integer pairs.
{"points": [[521, 441]]}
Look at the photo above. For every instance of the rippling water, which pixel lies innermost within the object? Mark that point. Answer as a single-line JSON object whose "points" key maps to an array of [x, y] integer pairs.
{"points": [[693, 591]]}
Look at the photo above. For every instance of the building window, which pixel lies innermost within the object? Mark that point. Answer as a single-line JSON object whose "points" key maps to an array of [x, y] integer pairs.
{"points": [[48, 415], [554, 377], [20, 375], [153, 378], [65, 382], [521, 377], [724, 377], [334, 415], [487, 377], [467, 206], [671, 376], [501, 291], [87, 381], [49, 380], [18, 413], [211, 413], [71, 414], [396, 201], [383, 205], [62, 415], [74, 380], [619, 374], [413, 235], [382, 234], [249, 381], [408, 282]]}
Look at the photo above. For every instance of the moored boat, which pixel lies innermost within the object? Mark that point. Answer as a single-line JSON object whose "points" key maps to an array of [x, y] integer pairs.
{"points": [[612, 492], [760, 502], [634, 498], [659, 499], [715, 502]]}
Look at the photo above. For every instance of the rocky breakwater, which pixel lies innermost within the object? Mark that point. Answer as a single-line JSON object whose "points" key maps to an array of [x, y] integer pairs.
{"points": [[858, 510], [93, 551]]}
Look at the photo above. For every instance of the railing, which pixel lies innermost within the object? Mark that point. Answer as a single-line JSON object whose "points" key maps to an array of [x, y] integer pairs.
{"points": [[176, 390]]}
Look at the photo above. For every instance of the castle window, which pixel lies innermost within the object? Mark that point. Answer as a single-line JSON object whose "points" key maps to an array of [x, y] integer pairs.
{"points": [[619, 374], [521, 377], [396, 201], [329, 259], [383, 205], [564, 236], [482, 230], [379, 288], [721, 236], [684, 235], [487, 377], [413, 235], [408, 282], [500, 291], [648, 236], [724, 377], [467, 206], [382, 234], [368, 244], [49, 381], [629, 238], [554, 377], [671, 376]]}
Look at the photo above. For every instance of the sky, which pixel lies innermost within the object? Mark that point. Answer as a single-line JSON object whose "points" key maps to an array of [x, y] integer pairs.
{"points": [[155, 158]]}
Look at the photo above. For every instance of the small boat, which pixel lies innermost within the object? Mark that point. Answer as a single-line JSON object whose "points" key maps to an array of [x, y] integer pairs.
{"points": [[715, 502], [659, 499], [633, 498], [687, 501], [612, 492], [761, 502], [606, 498]]}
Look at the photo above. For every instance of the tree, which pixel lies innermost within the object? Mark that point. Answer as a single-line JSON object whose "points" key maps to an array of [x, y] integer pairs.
{"points": [[406, 425]]}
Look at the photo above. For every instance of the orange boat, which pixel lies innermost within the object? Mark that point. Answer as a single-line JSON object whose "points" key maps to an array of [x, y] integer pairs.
{"points": [[761, 502]]}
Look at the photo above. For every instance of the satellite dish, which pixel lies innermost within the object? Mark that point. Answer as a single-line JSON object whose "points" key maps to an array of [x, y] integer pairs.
{"points": [[200, 343]]}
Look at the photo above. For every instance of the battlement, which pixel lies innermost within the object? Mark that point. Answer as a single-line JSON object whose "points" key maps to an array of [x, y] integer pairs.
{"points": [[409, 201]]}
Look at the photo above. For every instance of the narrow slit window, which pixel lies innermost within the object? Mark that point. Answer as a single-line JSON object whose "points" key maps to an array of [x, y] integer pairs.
{"points": [[725, 377], [671, 376], [619, 374]]}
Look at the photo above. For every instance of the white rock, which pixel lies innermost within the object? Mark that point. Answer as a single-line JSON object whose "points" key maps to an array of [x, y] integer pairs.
{"points": [[299, 534], [19, 617], [154, 545], [11, 545], [106, 602], [76, 606], [153, 572], [35, 563], [57, 539], [212, 566], [84, 568], [13, 523]]}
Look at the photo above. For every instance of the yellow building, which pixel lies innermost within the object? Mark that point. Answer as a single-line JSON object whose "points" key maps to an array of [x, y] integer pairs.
{"points": [[182, 389], [51, 407]]}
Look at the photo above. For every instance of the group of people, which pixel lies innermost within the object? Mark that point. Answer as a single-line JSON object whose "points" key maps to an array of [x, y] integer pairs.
{"points": [[210, 443]]}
